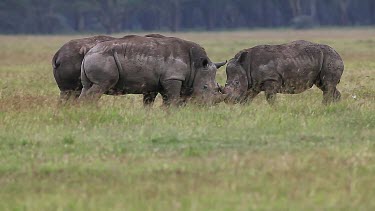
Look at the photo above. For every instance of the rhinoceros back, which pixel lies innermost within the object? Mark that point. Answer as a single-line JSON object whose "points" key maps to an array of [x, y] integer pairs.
{"points": [[294, 65], [145, 61], [162, 55]]}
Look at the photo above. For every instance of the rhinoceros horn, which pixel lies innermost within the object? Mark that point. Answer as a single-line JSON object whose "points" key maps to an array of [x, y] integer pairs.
{"points": [[220, 98], [220, 64]]}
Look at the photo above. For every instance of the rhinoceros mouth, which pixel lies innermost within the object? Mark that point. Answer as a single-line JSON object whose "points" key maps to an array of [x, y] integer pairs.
{"points": [[207, 99]]}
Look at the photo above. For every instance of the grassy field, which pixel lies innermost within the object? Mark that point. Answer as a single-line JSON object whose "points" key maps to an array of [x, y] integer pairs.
{"points": [[297, 155]]}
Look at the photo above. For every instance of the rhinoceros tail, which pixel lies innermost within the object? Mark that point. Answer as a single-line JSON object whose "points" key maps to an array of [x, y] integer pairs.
{"points": [[121, 80], [83, 50], [84, 79], [55, 64]]}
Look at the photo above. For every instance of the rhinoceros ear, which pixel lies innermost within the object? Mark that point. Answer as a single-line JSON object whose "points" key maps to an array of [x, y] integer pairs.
{"points": [[204, 62], [242, 57]]}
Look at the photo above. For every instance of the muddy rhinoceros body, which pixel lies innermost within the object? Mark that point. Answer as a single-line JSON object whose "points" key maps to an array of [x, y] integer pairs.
{"points": [[149, 65], [67, 61], [289, 68]]}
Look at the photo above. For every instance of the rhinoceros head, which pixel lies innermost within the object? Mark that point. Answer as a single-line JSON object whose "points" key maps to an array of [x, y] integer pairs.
{"points": [[204, 88], [237, 81]]}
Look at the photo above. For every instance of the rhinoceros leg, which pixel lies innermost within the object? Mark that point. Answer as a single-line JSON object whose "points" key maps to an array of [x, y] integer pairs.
{"points": [[76, 94], [271, 88], [149, 98], [171, 92], [65, 96], [331, 95], [92, 94], [250, 95]]}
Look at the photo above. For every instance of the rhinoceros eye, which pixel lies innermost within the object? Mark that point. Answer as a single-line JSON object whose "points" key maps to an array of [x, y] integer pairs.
{"points": [[205, 86]]}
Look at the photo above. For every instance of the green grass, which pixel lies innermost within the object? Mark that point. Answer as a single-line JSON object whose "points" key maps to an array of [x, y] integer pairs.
{"points": [[297, 155]]}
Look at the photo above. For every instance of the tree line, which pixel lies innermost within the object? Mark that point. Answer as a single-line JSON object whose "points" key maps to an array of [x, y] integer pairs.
{"points": [[111, 16]]}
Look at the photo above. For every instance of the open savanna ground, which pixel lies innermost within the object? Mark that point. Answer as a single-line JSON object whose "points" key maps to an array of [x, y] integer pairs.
{"points": [[297, 154]]}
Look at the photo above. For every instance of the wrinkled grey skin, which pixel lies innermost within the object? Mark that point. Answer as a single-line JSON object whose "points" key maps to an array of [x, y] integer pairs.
{"points": [[66, 65], [175, 68], [289, 68]]}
